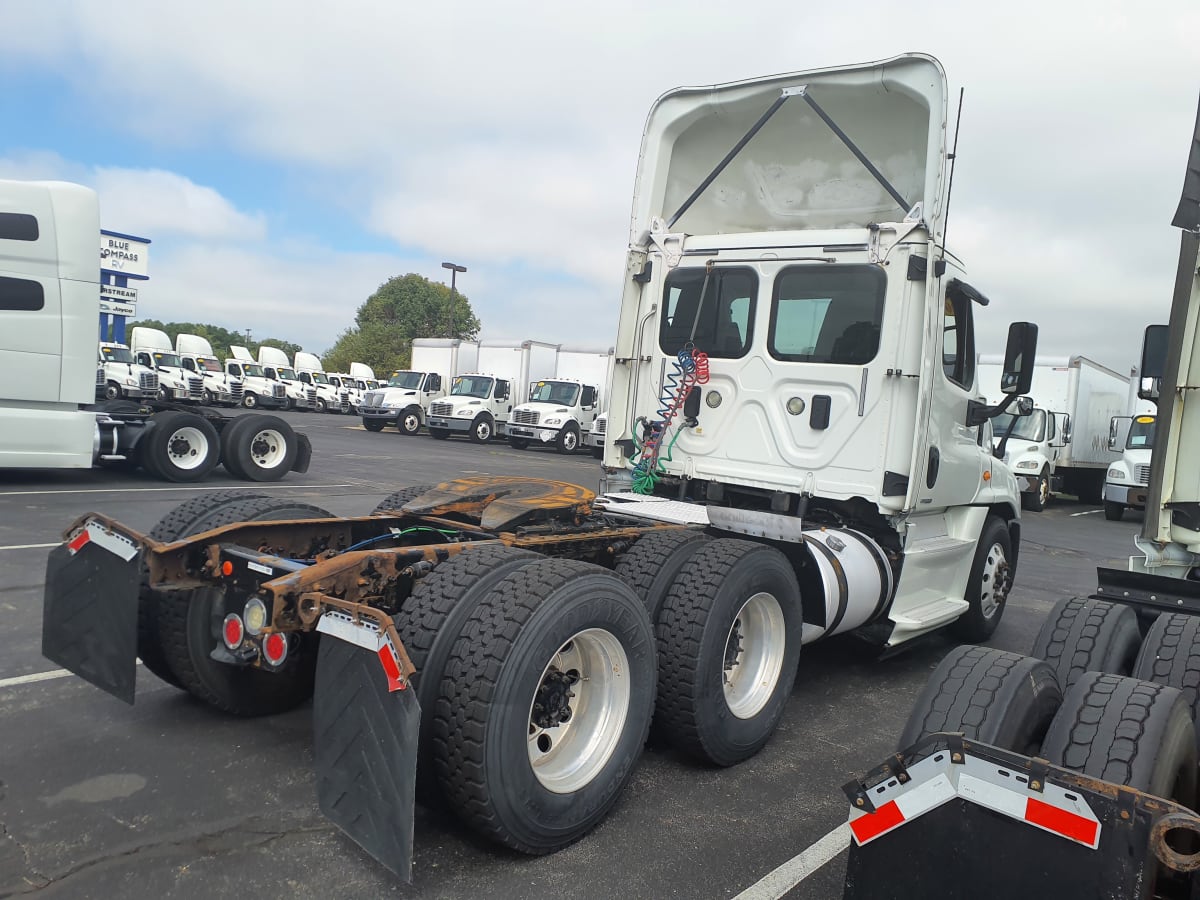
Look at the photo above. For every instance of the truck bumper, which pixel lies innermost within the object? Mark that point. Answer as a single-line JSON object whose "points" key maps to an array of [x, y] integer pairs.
{"points": [[1133, 495], [452, 424], [545, 435], [380, 414]]}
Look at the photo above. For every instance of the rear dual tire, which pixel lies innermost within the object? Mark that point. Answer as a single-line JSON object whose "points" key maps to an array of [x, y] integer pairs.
{"points": [[258, 448], [179, 447]]}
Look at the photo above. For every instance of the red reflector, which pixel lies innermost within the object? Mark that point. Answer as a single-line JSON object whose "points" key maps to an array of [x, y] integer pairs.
{"points": [[275, 648], [227, 568], [391, 667], [77, 543], [232, 631], [874, 824], [1060, 821]]}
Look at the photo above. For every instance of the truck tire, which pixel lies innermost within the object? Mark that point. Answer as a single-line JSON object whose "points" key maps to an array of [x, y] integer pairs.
{"points": [[1129, 732], [568, 439], [1088, 636], [374, 424], [1170, 655], [988, 585], [409, 421], [112, 391], [208, 398], [250, 400], [1113, 511], [396, 499], [728, 643], [989, 695], [432, 619], [518, 443], [188, 518], [189, 630], [258, 448], [545, 705], [439, 434], [653, 563], [482, 429], [1036, 500], [181, 447], [320, 405]]}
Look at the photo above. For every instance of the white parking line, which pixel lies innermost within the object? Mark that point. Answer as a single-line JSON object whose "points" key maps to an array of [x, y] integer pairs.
{"points": [[30, 546], [775, 884], [181, 487], [1086, 512], [30, 679]]}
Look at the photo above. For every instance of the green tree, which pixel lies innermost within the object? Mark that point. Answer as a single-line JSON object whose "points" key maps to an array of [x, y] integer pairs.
{"points": [[220, 337], [403, 308]]}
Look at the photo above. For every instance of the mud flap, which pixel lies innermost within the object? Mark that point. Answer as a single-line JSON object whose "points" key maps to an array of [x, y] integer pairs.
{"points": [[365, 752], [89, 616]]}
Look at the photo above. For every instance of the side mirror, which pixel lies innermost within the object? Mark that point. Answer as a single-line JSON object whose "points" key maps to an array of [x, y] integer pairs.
{"points": [[589, 398], [1154, 361], [1023, 406], [1019, 357], [1066, 430]]}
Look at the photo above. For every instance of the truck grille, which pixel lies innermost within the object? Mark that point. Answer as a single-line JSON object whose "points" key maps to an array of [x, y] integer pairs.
{"points": [[195, 387], [148, 382], [373, 398], [312, 394], [1142, 474], [236, 390], [279, 390], [526, 417], [100, 382], [441, 409], [599, 427]]}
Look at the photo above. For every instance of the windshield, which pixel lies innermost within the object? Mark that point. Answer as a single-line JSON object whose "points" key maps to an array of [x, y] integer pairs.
{"points": [[1141, 434], [208, 364], [410, 380], [253, 369], [472, 386], [116, 354], [170, 360], [319, 378], [1028, 428], [554, 392], [286, 374]]}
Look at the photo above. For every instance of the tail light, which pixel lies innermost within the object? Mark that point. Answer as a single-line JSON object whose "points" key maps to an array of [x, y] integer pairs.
{"points": [[233, 632], [275, 648]]}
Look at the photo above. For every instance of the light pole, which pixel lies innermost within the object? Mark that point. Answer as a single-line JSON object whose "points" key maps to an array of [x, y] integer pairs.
{"points": [[454, 268]]}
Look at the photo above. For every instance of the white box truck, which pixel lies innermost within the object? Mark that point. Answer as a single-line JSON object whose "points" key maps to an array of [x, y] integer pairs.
{"points": [[562, 410], [277, 367], [49, 295], [152, 348], [404, 400], [1063, 445], [480, 403]]}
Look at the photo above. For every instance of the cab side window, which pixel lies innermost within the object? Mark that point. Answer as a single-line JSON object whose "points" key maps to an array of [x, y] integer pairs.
{"points": [[958, 340]]}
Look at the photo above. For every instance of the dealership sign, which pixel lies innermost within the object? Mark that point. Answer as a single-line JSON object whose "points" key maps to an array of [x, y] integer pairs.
{"points": [[124, 254], [121, 301]]}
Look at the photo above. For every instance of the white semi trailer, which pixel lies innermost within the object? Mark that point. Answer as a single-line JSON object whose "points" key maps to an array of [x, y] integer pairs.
{"points": [[49, 294], [1063, 444]]}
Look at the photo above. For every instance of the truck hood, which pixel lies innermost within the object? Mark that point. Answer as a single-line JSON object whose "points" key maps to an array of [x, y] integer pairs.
{"points": [[544, 407], [796, 172]]}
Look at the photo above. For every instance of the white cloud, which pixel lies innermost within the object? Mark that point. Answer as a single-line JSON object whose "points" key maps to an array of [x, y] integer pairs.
{"points": [[154, 202]]}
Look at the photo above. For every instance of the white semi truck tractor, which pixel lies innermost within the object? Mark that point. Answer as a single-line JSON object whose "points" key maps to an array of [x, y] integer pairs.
{"points": [[257, 389], [330, 397], [152, 348], [277, 367], [124, 377], [49, 294], [220, 388]]}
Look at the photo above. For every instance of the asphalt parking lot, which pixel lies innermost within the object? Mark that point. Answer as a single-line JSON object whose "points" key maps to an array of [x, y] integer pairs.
{"points": [[170, 799]]}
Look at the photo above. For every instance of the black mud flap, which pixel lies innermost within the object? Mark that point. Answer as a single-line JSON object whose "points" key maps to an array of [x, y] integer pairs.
{"points": [[303, 453], [89, 616], [365, 752]]}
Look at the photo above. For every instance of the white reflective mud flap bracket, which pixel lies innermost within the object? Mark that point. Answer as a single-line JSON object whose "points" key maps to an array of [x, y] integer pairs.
{"points": [[365, 728]]}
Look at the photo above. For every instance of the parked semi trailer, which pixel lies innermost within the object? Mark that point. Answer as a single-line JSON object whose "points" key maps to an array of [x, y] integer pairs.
{"points": [[1071, 773], [50, 288], [795, 442]]}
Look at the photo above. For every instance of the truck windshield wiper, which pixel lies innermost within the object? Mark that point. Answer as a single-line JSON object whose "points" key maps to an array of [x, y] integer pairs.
{"points": [[784, 96]]}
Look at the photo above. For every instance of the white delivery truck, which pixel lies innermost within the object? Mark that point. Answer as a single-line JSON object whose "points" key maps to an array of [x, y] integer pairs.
{"points": [[196, 354], [404, 400], [152, 348], [480, 403], [562, 410], [330, 396], [49, 294], [277, 367], [595, 437], [1063, 445], [123, 377], [1127, 482], [257, 388]]}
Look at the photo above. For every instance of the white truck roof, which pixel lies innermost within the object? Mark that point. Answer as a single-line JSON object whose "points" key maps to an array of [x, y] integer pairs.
{"points": [[193, 345], [143, 338], [361, 370], [241, 353], [273, 356], [309, 362]]}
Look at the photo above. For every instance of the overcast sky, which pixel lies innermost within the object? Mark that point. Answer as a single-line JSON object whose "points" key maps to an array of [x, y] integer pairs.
{"points": [[286, 157]]}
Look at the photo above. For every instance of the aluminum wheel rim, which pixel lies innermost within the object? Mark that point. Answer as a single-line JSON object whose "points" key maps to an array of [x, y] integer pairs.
{"points": [[268, 448], [568, 756], [187, 448], [754, 651], [1043, 489], [570, 440], [411, 423], [991, 584], [483, 430]]}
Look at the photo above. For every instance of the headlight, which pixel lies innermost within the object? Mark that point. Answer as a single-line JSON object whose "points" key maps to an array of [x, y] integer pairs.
{"points": [[1115, 474], [391, 404], [131, 381], [465, 413], [1027, 464], [553, 420]]}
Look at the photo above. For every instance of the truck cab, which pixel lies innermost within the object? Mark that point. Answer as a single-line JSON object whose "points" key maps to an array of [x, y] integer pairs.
{"points": [[478, 407], [346, 389], [595, 437], [559, 412], [196, 354], [124, 377], [403, 401], [330, 397], [152, 349], [1128, 479], [258, 389], [1031, 447], [277, 367]]}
